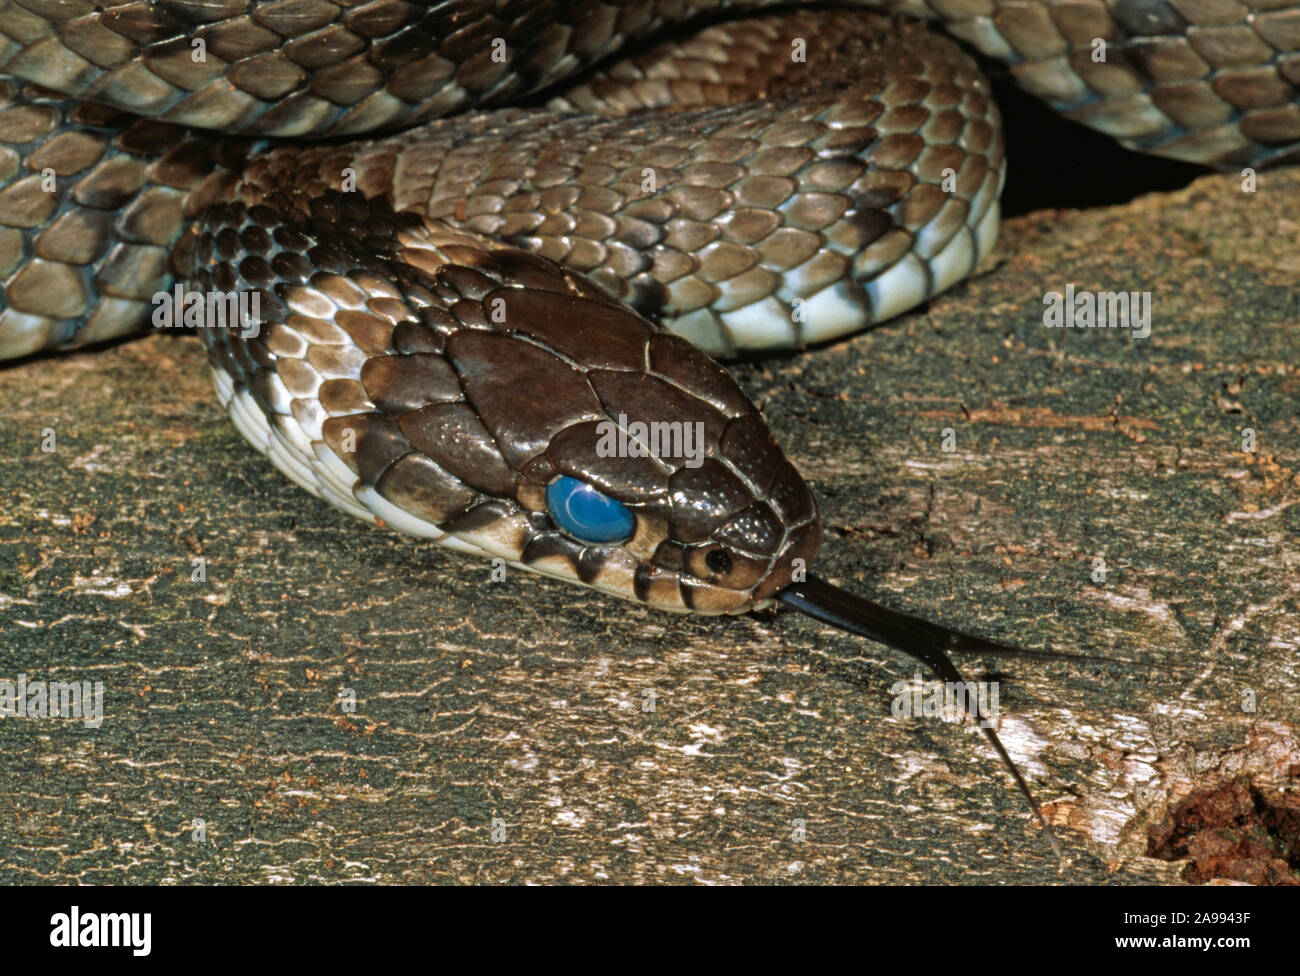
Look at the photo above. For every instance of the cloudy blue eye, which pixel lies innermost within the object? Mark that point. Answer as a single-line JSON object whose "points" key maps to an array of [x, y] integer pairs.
{"points": [[587, 514]]}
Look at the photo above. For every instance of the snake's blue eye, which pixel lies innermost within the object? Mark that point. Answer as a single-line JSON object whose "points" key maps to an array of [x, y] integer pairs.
{"points": [[587, 514]]}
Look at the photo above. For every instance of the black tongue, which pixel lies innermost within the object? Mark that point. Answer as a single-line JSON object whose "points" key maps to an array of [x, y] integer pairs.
{"points": [[929, 643]]}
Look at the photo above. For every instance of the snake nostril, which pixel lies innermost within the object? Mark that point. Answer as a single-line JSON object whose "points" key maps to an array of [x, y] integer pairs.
{"points": [[718, 561]]}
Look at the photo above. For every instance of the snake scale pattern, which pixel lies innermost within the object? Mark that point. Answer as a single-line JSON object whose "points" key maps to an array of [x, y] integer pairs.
{"points": [[549, 238]]}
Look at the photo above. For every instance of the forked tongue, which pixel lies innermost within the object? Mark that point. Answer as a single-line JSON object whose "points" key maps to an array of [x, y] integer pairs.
{"points": [[927, 642]]}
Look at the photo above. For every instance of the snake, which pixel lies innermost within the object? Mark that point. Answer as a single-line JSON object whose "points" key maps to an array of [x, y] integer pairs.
{"points": [[471, 244]]}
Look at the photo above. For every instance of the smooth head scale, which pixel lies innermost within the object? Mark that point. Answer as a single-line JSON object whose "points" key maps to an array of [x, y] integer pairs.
{"points": [[461, 390]]}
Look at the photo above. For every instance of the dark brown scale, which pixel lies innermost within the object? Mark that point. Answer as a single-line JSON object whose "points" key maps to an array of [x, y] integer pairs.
{"points": [[632, 480], [471, 315], [549, 545], [377, 441], [341, 396], [591, 560], [704, 498], [410, 337], [291, 240], [522, 392], [291, 267], [644, 580], [678, 362], [257, 272], [467, 282], [226, 244], [884, 253], [284, 343], [76, 237], [484, 515], [791, 496], [453, 435], [566, 324], [342, 360], [417, 484], [256, 240], [647, 399], [757, 529], [371, 334], [265, 361], [399, 384]]}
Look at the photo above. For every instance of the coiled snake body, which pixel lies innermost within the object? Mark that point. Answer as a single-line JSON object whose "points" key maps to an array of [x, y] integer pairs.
{"points": [[450, 317]]}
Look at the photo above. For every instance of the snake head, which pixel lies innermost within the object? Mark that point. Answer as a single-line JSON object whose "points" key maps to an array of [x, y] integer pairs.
{"points": [[635, 463], [462, 390], [672, 491]]}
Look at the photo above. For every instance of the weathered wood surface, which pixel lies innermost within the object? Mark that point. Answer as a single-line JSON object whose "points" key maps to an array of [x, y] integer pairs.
{"points": [[524, 700]]}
